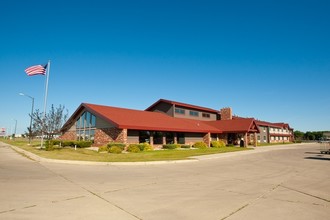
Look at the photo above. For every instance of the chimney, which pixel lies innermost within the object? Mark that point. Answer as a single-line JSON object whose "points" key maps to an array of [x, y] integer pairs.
{"points": [[226, 113]]}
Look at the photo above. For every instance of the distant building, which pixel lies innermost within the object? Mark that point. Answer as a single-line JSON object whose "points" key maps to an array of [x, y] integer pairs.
{"points": [[326, 135]]}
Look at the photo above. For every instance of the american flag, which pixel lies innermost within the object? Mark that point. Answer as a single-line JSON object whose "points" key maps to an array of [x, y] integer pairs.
{"points": [[36, 70]]}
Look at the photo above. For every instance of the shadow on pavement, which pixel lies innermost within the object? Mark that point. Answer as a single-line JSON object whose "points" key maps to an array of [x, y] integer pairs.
{"points": [[318, 158], [317, 152]]}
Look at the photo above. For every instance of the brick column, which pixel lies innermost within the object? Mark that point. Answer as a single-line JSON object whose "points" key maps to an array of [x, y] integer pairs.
{"points": [[164, 139], [207, 139], [151, 138], [245, 140], [124, 135], [175, 138]]}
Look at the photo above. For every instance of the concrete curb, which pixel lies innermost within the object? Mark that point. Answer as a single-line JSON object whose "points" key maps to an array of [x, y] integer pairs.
{"points": [[191, 159]]}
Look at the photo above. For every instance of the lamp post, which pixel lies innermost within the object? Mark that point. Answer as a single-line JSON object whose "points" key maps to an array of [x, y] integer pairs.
{"points": [[15, 128], [30, 131]]}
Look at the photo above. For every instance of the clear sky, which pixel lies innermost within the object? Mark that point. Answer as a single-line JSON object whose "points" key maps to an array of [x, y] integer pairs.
{"points": [[267, 59]]}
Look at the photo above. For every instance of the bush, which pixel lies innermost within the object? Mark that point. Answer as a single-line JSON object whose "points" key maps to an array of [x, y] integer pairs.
{"points": [[145, 147], [83, 144], [171, 146], [56, 142], [230, 145], [49, 146], [67, 143], [185, 146], [200, 145], [218, 144], [115, 150], [133, 148], [114, 144], [103, 148]]}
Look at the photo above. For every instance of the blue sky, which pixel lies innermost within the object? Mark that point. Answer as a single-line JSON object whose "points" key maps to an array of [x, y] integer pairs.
{"points": [[265, 59]]}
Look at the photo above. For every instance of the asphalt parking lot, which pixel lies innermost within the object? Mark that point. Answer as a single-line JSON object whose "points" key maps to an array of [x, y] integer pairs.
{"points": [[278, 182]]}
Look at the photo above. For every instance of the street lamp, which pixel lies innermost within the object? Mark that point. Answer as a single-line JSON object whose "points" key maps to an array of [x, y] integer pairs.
{"points": [[15, 128], [30, 131]]}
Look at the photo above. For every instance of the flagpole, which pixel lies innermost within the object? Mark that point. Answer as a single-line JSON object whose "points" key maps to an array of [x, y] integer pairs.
{"points": [[45, 103]]}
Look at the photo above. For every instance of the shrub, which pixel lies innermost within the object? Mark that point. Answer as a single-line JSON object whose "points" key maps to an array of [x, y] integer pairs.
{"points": [[185, 146], [56, 142], [68, 143], [49, 146], [83, 144], [200, 145], [115, 150], [145, 147], [114, 144], [230, 145], [218, 144], [133, 148], [103, 148], [171, 146]]}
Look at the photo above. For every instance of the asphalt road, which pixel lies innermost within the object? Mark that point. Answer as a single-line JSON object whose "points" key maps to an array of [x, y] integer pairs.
{"points": [[282, 182]]}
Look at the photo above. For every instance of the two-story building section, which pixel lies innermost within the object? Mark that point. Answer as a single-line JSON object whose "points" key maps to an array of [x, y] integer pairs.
{"points": [[274, 132], [183, 110]]}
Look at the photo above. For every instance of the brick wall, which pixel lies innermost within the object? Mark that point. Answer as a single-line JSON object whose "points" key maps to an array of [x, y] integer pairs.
{"points": [[106, 135], [226, 113], [68, 136]]}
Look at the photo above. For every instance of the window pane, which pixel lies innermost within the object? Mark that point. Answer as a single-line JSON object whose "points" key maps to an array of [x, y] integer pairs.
{"points": [[179, 111], [78, 123], [82, 123], [88, 119], [193, 113], [93, 121], [92, 134], [206, 115]]}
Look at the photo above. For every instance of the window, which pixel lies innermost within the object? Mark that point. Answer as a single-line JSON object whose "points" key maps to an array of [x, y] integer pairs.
{"points": [[180, 138], [85, 126], [193, 113], [179, 111], [205, 115], [265, 139]]}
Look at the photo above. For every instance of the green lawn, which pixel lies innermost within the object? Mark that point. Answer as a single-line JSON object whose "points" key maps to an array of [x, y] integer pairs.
{"points": [[89, 155]]}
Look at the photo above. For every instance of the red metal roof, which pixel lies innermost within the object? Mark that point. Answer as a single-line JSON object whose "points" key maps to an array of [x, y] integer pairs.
{"points": [[180, 104], [237, 125], [275, 125], [145, 120]]}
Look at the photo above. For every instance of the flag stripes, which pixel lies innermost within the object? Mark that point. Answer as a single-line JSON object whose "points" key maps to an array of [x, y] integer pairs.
{"points": [[36, 70]]}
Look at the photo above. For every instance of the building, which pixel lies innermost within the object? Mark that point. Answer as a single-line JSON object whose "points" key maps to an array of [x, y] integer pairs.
{"points": [[183, 110], [274, 132], [326, 136], [163, 122], [232, 131]]}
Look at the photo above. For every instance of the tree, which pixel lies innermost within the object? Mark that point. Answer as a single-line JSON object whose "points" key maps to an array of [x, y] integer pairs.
{"points": [[49, 124], [298, 135], [309, 136]]}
